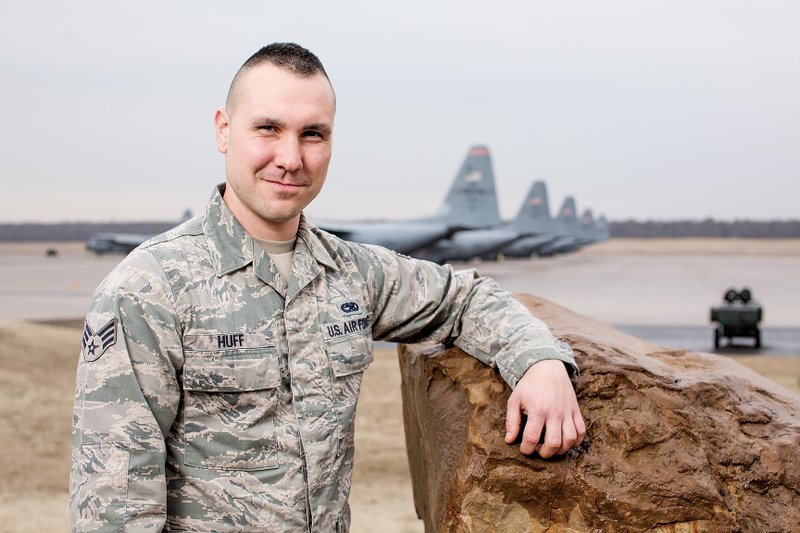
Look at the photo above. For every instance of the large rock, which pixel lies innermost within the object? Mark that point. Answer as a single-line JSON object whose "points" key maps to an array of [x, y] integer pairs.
{"points": [[676, 441]]}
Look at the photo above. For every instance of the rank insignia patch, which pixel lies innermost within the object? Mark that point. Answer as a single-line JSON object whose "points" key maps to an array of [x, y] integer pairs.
{"points": [[94, 344]]}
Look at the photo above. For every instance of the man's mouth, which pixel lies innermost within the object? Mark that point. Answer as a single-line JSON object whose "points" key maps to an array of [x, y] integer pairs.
{"points": [[284, 185]]}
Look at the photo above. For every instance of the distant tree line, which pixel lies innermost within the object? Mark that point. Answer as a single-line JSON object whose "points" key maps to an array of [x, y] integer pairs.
{"points": [[748, 229], [76, 231]]}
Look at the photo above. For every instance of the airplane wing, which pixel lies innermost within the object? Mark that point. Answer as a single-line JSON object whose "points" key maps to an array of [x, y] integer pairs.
{"points": [[402, 237]]}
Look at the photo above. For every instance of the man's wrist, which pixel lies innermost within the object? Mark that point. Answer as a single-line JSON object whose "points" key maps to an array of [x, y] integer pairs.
{"points": [[521, 364]]}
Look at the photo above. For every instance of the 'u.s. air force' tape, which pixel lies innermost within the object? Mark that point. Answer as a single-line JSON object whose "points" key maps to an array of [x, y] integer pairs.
{"points": [[346, 327], [93, 345]]}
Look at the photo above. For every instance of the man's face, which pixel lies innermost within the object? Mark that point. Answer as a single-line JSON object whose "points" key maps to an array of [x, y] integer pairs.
{"points": [[276, 135]]}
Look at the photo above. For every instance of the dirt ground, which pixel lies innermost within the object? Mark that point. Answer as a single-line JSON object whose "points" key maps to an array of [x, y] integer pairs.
{"points": [[36, 392]]}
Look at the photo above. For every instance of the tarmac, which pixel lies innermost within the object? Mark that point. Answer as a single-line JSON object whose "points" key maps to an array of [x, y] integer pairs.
{"points": [[654, 291]]}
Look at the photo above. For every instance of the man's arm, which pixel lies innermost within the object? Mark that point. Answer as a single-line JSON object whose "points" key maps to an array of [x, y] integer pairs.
{"points": [[416, 301], [127, 398]]}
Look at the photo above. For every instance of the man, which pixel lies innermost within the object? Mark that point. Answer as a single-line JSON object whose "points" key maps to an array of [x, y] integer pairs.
{"points": [[222, 361]]}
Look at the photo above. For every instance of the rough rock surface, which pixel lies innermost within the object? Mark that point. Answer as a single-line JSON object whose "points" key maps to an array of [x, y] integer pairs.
{"points": [[676, 441]]}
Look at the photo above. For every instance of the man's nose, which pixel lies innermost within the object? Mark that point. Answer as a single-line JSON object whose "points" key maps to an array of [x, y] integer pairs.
{"points": [[288, 154]]}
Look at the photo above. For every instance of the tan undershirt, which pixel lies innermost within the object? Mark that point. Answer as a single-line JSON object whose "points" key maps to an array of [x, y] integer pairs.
{"points": [[281, 253]]}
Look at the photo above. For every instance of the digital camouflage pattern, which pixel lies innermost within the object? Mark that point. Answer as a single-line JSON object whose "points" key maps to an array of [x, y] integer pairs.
{"points": [[227, 402]]}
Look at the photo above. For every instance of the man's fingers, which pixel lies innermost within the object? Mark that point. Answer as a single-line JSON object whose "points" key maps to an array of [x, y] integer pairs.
{"points": [[552, 439], [513, 417], [580, 427], [569, 435], [531, 433]]}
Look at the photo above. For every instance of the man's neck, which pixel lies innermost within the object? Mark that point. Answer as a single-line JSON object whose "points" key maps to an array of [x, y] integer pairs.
{"points": [[258, 227]]}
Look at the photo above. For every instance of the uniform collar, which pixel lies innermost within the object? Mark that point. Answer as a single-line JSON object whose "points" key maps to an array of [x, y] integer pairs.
{"points": [[307, 233], [231, 247]]}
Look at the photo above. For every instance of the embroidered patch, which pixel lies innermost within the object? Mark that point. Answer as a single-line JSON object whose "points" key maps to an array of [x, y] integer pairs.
{"points": [[93, 345], [239, 340], [348, 308], [346, 327]]}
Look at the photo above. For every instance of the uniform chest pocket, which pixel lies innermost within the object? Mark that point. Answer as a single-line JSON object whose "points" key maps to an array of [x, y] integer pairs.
{"points": [[230, 402], [349, 357], [350, 354]]}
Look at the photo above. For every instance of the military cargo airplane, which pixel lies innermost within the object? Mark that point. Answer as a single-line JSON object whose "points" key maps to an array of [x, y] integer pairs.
{"points": [[593, 231], [532, 223], [567, 230], [602, 229], [471, 203], [573, 234]]}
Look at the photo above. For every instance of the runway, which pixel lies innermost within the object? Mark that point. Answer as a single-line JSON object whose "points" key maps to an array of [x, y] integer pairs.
{"points": [[775, 341], [36, 287], [658, 291], [664, 290]]}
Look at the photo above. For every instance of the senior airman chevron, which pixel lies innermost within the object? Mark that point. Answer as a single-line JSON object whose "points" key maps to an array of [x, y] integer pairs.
{"points": [[95, 344]]}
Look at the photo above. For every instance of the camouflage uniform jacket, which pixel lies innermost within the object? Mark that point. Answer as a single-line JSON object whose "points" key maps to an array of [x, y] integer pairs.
{"points": [[212, 396]]}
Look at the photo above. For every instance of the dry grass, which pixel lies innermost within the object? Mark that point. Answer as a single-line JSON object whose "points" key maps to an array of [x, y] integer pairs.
{"points": [[37, 385]]}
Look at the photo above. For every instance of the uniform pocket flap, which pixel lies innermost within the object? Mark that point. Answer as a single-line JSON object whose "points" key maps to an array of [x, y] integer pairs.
{"points": [[217, 373], [350, 355]]}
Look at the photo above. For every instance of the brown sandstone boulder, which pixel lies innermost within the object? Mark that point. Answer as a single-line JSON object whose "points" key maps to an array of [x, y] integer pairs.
{"points": [[676, 441]]}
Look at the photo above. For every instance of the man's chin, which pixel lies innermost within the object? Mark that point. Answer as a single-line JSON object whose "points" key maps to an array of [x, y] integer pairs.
{"points": [[279, 217]]}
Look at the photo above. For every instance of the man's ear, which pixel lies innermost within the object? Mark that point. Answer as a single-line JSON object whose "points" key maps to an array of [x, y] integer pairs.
{"points": [[221, 127]]}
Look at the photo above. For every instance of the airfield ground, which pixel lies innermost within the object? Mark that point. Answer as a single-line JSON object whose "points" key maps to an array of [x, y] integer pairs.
{"points": [[37, 359]]}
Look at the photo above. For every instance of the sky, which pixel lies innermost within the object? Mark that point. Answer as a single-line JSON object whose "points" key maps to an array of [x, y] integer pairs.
{"points": [[681, 109]]}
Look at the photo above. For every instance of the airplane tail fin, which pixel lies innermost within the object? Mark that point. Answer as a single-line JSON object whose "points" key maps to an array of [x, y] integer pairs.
{"points": [[588, 228], [472, 199], [534, 215], [587, 219], [567, 223], [601, 226]]}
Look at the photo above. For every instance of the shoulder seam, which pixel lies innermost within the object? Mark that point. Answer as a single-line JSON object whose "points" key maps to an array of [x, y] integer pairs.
{"points": [[182, 230], [172, 297]]}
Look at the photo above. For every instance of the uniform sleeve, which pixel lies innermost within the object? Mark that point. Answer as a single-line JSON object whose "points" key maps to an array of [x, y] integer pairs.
{"points": [[418, 301], [126, 401]]}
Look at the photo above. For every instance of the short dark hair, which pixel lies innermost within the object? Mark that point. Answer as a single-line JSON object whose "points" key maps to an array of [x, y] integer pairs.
{"points": [[288, 56]]}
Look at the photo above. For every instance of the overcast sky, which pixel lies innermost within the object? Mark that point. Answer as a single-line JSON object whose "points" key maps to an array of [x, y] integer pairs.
{"points": [[640, 109]]}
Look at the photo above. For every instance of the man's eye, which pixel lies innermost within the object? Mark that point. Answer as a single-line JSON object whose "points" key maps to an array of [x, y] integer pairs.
{"points": [[312, 134], [267, 127]]}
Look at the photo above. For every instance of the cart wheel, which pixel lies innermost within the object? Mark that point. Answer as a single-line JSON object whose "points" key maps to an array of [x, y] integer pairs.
{"points": [[745, 295], [757, 338], [716, 338]]}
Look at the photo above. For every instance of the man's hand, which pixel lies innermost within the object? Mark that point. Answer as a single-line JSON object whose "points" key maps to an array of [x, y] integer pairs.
{"points": [[545, 395]]}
